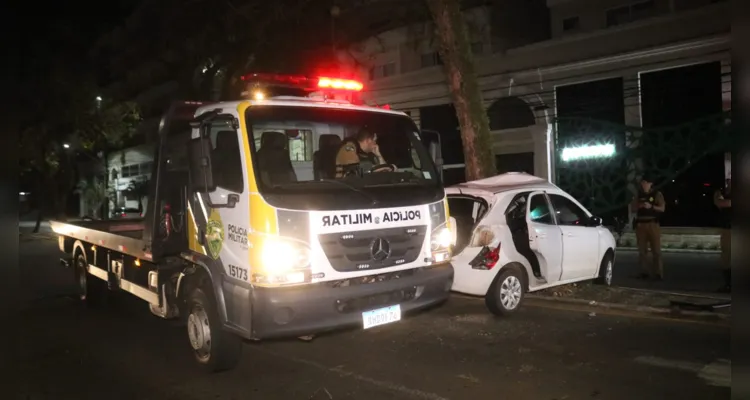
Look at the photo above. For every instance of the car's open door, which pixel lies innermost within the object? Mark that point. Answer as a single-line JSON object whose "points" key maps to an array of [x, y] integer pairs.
{"points": [[544, 237]]}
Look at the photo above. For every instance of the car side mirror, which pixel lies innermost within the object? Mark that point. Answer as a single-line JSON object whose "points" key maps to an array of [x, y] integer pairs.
{"points": [[199, 164], [595, 221]]}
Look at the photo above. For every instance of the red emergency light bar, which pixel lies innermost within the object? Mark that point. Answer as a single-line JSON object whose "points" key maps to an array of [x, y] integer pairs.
{"points": [[303, 82], [339, 84]]}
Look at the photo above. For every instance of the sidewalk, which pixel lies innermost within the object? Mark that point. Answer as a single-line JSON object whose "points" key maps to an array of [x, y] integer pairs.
{"points": [[683, 272], [688, 277]]}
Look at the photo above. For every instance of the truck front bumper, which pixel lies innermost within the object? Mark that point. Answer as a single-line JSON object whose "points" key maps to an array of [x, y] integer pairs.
{"points": [[309, 309]]}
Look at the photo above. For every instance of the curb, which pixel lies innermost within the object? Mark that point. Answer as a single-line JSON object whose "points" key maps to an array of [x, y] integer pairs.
{"points": [[671, 250], [662, 311]]}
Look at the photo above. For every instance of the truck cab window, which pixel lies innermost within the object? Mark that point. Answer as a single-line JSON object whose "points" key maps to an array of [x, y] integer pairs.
{"points": [[226, 159]]}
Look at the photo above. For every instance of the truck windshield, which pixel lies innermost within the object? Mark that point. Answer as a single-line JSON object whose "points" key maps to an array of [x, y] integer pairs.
{"points": [[294, 152]]}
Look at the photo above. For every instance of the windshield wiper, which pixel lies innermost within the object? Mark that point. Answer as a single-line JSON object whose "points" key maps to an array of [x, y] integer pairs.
{"points": [[412, 180], [351, 187], [373, 200]]}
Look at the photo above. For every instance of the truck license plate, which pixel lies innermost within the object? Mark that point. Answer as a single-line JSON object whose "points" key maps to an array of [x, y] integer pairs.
{"points": [[381, 316]]}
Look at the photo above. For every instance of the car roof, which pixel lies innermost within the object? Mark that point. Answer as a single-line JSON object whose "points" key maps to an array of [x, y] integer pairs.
{"points": [[506, 182], [298, 102]]}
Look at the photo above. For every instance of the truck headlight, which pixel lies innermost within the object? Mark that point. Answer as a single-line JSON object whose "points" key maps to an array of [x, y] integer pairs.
{"points": [[442, 238], [281, 262]]}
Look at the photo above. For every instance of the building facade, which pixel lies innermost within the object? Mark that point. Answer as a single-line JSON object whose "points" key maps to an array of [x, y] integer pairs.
{"points": [[521, 75], [129, 173]]}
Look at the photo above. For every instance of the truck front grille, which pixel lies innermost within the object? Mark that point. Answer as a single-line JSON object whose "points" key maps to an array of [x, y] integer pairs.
{"points": [[353, 251]]}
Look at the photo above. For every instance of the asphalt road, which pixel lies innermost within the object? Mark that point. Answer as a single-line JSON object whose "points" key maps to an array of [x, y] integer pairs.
{"points": [[457, 351]]}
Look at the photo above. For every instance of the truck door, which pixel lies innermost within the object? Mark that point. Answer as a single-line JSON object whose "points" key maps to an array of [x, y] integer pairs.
{"points": [[221, 212]]}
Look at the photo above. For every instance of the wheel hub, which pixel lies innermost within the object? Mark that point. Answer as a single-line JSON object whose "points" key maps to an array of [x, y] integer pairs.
{"points": [[199, 331], [510, 292]]}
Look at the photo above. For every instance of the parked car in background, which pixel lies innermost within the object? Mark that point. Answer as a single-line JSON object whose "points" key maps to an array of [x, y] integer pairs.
{"points": [[126, 213], [518, 233]]}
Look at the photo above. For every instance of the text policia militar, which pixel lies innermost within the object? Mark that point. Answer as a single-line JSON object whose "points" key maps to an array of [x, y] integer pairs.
{"points": [[369, 218]]}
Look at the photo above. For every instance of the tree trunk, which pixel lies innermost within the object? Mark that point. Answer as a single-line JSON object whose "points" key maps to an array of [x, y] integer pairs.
{"points": [[464, 87]]}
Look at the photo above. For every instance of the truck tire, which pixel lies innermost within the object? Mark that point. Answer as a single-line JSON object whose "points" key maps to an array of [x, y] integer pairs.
{"points": [[214, 348], [506, 292], [91, 290]]}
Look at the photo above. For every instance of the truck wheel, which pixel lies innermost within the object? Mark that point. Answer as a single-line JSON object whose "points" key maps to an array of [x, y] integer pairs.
{"points": [[214, 348], [506, 293], [91, 290]]}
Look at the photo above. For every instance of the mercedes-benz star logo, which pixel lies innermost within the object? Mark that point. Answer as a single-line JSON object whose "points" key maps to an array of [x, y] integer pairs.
{"points": [[380, 249]]}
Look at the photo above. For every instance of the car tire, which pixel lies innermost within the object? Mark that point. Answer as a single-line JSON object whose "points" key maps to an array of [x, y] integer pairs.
{"points": [[91, 290], [506, 292], [214, 348], [606, 271]]}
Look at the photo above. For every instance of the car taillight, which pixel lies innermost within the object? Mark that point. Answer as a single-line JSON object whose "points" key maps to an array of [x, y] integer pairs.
{"points": [[123, 215], [492, 257], [486, 259]]}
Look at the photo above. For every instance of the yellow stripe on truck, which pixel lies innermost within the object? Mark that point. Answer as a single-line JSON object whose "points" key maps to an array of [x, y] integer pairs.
{"points": [[262, 215]]}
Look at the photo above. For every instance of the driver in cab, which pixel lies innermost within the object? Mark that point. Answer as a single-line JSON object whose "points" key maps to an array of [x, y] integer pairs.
{"points": [[360, 154]]}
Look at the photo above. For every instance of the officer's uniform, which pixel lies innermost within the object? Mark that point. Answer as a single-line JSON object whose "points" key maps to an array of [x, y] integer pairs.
{"points": [[352, 160], [726, 234], [648, 232]]}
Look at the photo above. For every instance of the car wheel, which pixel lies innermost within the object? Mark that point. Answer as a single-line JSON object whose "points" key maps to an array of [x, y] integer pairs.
{"points": [[507, 292], [214, 348], [606, 271]]}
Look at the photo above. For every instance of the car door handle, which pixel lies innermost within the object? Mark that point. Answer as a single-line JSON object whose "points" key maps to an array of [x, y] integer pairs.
{"points": [[570, 234]]}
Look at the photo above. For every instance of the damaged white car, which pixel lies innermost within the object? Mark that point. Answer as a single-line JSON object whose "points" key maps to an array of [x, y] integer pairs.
{"points": [[517, 233]]}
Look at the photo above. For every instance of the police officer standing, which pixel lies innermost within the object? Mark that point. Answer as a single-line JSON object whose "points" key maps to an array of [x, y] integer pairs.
{"points": [[360, 154], [723, 200], [648, 206]]}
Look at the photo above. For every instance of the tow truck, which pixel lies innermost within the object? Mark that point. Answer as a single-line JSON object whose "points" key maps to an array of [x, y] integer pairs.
{"points": [[248, 234]]}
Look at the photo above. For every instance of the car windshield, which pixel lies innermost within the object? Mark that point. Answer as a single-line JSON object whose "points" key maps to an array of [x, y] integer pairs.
{"points": [[295, 147]]}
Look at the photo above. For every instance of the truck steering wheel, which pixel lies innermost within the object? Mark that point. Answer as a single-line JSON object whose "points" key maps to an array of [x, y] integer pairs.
{"points": [[383, 167]]}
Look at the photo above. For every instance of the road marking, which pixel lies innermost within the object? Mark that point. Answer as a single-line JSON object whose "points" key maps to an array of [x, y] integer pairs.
{"points": [[717, 373], [415, 393]]}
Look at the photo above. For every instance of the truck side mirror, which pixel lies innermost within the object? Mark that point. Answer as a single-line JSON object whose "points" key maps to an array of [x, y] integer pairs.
{"points": [[435, 153], [199, 164]]}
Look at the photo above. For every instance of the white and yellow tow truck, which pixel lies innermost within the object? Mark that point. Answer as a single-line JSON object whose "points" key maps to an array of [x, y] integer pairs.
{"points": [[248, 235]]}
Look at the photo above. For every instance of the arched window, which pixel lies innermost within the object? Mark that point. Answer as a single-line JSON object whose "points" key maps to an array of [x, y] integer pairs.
{"points": [[510, 113]]}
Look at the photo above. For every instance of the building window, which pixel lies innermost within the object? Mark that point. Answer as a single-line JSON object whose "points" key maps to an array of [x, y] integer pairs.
{"points": [[431, 59], [301, 145], [382, 71], [630, 13], [571, 24], [129, 171], [145, 168]]}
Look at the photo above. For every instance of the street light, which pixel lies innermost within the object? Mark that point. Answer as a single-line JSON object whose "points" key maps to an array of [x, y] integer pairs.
{"points": [[98, 98], [65, 145]]}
